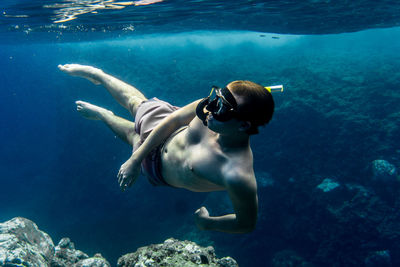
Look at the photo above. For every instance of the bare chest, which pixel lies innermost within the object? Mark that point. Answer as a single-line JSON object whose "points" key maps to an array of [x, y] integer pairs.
{"points": [[192, 165]]}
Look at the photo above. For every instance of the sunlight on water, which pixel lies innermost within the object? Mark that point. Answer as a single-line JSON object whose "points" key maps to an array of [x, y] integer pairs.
{"points": [[71, 9], [152, 16]]}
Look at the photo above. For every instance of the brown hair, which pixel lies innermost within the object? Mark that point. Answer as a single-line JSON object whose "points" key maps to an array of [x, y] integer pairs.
{"points": [[258, 105]]}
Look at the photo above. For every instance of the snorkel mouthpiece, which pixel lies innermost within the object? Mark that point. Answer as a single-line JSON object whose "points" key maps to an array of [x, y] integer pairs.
{"points": [[200, 110], [222, 106]]}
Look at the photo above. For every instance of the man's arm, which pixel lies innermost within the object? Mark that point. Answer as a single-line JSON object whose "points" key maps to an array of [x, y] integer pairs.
{"points": [[130, 170], [242, 190]]}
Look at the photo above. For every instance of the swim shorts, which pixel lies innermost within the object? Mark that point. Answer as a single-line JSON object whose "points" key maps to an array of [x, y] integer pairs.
{"points": [[148, 115]]}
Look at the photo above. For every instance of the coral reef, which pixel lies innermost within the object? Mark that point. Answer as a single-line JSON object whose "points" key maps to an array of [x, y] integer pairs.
{"points": [[384, 171], [23, 244], [175, 253], [66, 255], [331, 222]]}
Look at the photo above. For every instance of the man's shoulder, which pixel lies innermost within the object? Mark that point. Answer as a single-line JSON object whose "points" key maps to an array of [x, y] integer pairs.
{"points": [[197, 125], [196, 130], [236, 172], [240, 159]]}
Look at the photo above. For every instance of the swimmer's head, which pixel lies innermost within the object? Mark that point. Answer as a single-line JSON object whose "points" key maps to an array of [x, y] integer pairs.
{"points": [[241, 100], [254, 103]]}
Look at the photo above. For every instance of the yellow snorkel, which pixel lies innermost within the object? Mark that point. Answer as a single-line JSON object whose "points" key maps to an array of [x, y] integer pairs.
{"points": [[275, 88]]}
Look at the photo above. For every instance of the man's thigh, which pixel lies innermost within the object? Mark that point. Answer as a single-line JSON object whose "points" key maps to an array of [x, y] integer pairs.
{"points": [[134, 103]]}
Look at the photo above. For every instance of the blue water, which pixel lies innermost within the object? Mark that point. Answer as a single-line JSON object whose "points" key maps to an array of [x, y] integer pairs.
{"points": [[338, 113], [115, 17]]}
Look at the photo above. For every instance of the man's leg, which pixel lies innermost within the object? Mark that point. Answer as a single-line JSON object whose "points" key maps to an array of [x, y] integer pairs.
{"points": [[123, 128], [128, 96]]}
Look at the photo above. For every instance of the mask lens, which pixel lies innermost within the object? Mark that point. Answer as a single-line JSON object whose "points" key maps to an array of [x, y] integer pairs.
{"points": [[220, 108], [221, 111]]}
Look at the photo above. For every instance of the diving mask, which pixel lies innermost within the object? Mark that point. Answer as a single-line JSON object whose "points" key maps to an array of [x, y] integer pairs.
{"points": [[222, 106]]}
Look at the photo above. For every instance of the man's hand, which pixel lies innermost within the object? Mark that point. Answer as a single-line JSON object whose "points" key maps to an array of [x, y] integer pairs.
{"points": [[128, 173], [202, 217]]}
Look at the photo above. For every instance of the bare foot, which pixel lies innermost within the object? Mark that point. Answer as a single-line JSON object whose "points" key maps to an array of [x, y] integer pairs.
{"points": [[90, 111], [87, 72]]}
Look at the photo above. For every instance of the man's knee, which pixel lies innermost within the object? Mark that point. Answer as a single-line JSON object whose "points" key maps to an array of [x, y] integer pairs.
{"points": [[132, 137], [133, 104]]}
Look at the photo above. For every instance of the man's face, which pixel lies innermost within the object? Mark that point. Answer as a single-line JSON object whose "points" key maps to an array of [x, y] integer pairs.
{"points": [[222, 127], [222, 105], [230, 126], [219, 112]]}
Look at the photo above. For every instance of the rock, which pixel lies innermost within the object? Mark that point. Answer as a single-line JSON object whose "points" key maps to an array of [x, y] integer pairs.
{"points": [[66, 255], [174, 253], [378, 258], [383, 171], [328, 185], [385, 180], [23, 244], [96, 261]]}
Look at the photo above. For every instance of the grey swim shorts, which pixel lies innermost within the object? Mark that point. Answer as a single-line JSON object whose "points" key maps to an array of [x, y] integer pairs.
{"points": [[149, 114]]}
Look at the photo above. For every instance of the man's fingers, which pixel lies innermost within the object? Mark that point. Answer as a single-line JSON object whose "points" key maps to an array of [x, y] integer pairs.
{"points": [[119, 177], [124, 180], [122, 185], [125, 183], [131, 182], [120, 180], [201, 210]]}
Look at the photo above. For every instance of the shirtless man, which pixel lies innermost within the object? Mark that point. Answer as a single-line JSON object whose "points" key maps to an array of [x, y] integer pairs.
{"points": [[174, 147]]}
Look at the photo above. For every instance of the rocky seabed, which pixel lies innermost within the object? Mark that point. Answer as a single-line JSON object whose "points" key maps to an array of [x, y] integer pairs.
{"points": [[23, 244]]}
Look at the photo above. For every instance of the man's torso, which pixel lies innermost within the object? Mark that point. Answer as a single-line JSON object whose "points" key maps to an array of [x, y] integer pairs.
{"points": [[192, 159]]}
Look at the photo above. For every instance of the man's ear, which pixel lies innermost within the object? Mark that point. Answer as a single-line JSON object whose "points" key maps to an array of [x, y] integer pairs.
{"points": [[244, 125]]}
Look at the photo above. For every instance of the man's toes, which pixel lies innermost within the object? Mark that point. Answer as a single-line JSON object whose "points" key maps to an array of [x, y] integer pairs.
{"points": [[82, 103], [67, 68], [62, 67]]}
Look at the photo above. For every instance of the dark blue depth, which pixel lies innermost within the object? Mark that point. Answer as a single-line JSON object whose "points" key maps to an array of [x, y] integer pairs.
{"points": [[339, 112]]}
